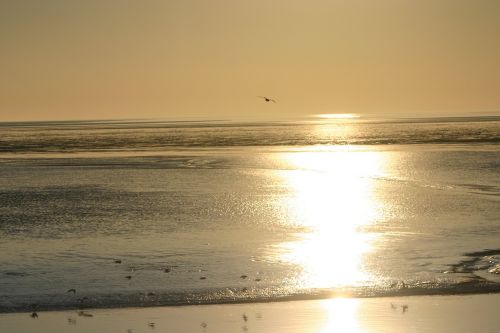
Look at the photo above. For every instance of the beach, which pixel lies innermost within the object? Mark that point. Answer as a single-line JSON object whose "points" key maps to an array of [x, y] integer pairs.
{"points": [[249, 166], [469, 313]]}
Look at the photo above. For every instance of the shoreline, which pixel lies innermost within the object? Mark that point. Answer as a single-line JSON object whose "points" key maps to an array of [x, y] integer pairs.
{"points": [[436, 313], [487, 288]]}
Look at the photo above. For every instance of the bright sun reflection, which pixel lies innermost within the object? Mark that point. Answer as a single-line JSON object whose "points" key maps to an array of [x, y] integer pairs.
{"points": [[342, 315], [338, 116], [332, 196]]}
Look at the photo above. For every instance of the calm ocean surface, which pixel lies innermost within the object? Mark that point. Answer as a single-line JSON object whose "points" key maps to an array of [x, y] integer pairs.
{"points": [[216, 212]]}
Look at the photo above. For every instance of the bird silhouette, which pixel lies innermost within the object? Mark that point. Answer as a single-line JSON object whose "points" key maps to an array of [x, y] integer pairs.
{"points": [[267, 99]]}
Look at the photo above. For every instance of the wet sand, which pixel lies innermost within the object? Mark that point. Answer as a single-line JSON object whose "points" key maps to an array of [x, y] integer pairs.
{"points": [[470, 313]]}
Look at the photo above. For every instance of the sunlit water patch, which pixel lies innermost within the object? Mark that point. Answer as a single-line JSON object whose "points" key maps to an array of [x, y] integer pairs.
{"points": [[332, 196]]}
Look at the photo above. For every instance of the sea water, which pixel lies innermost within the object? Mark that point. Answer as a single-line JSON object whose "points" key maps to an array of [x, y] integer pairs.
{"points": [[140, 213]]}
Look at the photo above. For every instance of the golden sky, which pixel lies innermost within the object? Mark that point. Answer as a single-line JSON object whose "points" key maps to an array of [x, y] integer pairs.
{"points": [[95, 59]]}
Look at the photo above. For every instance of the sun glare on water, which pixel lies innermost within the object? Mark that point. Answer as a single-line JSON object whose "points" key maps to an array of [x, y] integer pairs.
{"points": [[332, 197], [342, 315], [338, 116]]}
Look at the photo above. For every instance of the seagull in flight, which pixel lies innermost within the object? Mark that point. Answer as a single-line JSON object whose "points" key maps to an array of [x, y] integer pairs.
{"points": [[267, 99]]}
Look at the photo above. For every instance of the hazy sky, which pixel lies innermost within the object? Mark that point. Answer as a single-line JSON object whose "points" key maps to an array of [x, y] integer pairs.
{"points": [[93, 59]]}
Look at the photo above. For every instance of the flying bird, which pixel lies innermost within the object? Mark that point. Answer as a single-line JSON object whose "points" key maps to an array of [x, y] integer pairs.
{"points": [[267, 99]]}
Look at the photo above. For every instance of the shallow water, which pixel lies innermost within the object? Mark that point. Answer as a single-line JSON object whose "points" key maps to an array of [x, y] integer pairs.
{"points": [[220, 212], [443, 314]]}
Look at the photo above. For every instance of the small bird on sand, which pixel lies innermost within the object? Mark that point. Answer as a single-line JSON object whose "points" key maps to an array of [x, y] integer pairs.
{"points": [[118, 261], [243, 277], [84, 314], [203, 278], [405, 308], [128, 277], [245, 318], [267, 99], [72, 290], [34, 315], [152, 325], [83, 299]]}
